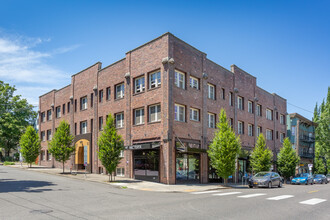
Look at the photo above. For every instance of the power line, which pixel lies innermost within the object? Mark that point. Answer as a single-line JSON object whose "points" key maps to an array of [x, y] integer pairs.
{"points": [[300, 108]]}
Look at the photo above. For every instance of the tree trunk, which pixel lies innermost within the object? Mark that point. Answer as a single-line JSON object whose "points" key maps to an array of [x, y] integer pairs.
{"points": [[225, 181], [30, 165], [109, 178], [63, 167]]}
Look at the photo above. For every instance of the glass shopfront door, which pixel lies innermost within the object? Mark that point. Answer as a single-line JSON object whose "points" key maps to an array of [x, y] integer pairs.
{"points": [[187, 167], [146, 165]]}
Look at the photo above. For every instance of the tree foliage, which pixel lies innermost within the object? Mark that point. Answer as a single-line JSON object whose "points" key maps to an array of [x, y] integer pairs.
{"points": [[61, 146], [110, 144], [30, 145], [261, 157], [322, 135], [224, 149], [15, 115], [287, 160]]}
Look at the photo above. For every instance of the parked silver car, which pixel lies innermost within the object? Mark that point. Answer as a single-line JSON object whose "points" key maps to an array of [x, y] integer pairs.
{"points": [[328, 178], [265, 179], [320, 178]]}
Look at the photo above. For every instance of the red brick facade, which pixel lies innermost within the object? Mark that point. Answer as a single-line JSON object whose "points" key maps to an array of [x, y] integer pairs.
{"points": [[166, 54]]}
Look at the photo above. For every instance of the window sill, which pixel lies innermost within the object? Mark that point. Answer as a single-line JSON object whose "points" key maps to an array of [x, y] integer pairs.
{"points": [[83, 109], [119, 99], [119, 128], [180, 121], [138, 125], [194, 120], [138, 93], [154, 122], [150, 89]]}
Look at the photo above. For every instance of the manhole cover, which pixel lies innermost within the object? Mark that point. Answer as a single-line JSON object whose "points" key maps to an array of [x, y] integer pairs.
{"points": [[42, 211]]}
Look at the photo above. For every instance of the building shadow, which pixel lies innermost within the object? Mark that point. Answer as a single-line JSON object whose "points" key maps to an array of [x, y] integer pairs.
{"points": [[32, 186]]}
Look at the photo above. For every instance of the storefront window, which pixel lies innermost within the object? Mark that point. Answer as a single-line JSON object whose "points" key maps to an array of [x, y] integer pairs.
{"points": [[187, 166]]}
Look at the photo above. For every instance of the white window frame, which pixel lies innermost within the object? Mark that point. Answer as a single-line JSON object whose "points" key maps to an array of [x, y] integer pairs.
{"points": [[49, 155], [194, 114], [157, 113], [58, 111], [121, 172], [211, 120], [250, 130], [49, 136], [120, 91], [250, 107], [121, 154], [230, 98], [139, 116], [240, 102], [119, 120], [43, 136], [180, 79], [180, 113], [194, 82], [83, 127], [259, 110], [240, 127], [43, 116], [154, 79], [211, 91], [269, 134], [84, 103], [139, 84], [258, 131], [269, 114], [49, 116], [282, 137], [281, 119]]}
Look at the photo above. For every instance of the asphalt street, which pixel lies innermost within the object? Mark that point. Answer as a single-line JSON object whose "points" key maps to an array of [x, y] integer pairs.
{"points": [[33, 195]]}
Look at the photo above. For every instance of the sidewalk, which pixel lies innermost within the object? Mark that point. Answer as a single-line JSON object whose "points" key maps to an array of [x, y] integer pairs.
{"points": [[127, 183]]}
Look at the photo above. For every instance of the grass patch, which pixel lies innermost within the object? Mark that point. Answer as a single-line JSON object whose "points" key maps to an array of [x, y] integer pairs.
{"points": [[124, 187], [6, 163]]}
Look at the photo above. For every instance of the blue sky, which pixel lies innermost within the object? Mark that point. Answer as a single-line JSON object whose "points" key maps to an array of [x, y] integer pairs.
{"points": [[285, 44]]}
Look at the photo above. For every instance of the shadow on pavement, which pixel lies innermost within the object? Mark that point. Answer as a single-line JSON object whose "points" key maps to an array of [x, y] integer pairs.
{"points": [[9, 185]]}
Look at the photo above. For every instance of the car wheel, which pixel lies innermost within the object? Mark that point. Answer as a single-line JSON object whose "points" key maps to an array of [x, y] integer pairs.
{"points": [[269, 184], [280, 185]]}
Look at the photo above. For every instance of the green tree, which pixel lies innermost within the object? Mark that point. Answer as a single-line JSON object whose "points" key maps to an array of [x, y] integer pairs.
{"points": [[15, 115], [287, 160], [224, 149], [261, 158], [61, 146], [30, 145], [110, 144], [319, 163]]}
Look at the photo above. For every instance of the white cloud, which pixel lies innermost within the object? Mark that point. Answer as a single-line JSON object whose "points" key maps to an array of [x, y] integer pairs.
{"points": [[21, 64]]}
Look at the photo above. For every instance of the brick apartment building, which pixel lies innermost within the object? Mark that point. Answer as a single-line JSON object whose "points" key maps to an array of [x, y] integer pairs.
{"points": [[165, 96]]}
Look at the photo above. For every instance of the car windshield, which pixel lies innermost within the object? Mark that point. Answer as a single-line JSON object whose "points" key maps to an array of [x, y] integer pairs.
{"points": [[304, 175], [262, 175], [328, 175], [317, 176]]}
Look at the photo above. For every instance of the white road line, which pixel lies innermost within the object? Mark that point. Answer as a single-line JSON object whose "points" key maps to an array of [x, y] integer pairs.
{"points": [[280, 197], [313, 201], [252, 195], [204, 192], [226, 194]]}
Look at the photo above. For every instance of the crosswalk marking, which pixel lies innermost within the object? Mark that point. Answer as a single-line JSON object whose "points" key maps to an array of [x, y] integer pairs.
{"points": [[280, 197], [252, 195], [204, 192], [226, 194], [313, 201]]}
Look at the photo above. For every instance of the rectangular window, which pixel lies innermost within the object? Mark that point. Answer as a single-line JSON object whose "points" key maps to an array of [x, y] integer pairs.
{"points": [[231, 97], [154, 113], [120, 171], [75, 128], [194, 114], [276, 134], [91, 125], [223, 93], [83, 103], [108, 94], [269, 134], [259, 130], [154, 80], [83, 127], [282, 119], [259, 110], [119, 120], [92, 100], [276, 115], [180, 112], [49, 135], [250, 107], [180, 79], [231, 123], [68, 107], [49, 115], [211, 91], [121, 154], [101, 123], [269, 114], [101, 95], [58, 111], [49, 155], [240, 103], [240, 127], [211, 120], [250, 129], [120, 91], [139, 116], [43, 155], [293, 130], [75, 105], [43, 117], [194, 82], [43, 138], [139, 85], [63, 109]]}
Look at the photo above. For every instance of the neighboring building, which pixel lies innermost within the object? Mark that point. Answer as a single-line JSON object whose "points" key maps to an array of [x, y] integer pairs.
{"points": [[301, 133], [165, 96]]}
